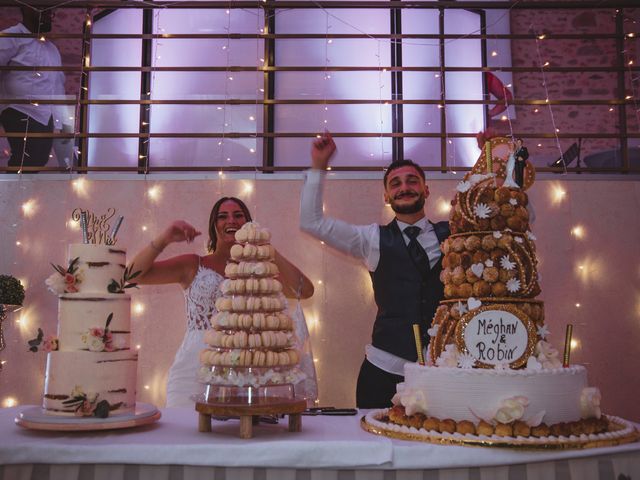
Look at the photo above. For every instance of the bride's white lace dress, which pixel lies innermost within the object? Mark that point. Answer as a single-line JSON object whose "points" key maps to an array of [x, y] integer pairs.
{"points": [[200, 299]]}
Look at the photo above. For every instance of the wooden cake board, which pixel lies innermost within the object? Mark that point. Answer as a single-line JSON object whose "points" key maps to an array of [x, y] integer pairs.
{"points": [[250, 413]]}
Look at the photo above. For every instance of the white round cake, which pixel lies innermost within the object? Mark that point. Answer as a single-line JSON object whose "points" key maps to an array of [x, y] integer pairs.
{"points": [[473, 394], [93, 363]]}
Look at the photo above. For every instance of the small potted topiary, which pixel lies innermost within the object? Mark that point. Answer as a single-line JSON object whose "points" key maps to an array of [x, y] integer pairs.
{"points": [[11, 297], [11, 290]]}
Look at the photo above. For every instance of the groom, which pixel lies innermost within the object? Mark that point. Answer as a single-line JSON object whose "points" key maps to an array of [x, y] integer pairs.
{"points": [[403, 259]]}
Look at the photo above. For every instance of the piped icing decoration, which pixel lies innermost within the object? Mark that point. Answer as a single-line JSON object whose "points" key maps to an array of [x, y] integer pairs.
{"points": [[463, 186], [462, 308], [590, 403], [477, 269], [413, 400], [433, 331], [513, 285], [502, 366], [543, 331], [482, 210], [473, 303], [449, 357], [466, 361], [506, 263]]}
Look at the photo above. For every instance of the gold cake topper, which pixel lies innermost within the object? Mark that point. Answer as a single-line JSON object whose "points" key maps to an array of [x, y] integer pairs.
{"points": [[96, 229]]}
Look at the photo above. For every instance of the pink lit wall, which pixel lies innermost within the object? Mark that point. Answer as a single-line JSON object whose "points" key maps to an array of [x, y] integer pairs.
{"points": [[599, 269]]}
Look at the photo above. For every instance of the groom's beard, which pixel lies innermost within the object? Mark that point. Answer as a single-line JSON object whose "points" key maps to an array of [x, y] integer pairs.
{"points": [[414, 207]]}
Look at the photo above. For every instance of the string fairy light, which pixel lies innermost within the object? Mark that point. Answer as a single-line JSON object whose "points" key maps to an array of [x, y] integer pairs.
{"points": [[380, 106], [227, 79], [542, 66]]}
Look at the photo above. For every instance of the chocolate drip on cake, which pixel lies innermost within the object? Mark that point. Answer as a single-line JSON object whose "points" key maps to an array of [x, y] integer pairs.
{"points": [[134, 359], [88, 299], [52, 396]]}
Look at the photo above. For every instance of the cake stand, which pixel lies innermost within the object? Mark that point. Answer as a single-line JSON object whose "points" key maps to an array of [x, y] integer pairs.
{"points": [[249, 403], [34, 418], [4, 309], [620, 432]]}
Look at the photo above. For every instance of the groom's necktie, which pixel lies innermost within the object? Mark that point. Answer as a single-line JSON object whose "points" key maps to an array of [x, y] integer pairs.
{"points": [[417, 253]]}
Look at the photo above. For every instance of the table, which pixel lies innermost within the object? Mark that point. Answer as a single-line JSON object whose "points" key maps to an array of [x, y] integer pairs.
{"points": [[328, 448]]}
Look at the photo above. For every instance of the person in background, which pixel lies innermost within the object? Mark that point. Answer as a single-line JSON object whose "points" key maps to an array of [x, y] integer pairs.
{"points": [[33, 117]]}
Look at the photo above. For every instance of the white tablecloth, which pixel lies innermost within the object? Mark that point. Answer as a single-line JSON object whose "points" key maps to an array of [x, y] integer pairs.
{"points": [[328, 448]]}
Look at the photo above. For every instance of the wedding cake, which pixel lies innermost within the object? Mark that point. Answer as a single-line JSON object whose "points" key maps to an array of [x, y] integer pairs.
{"points": [[252, 343], [490, 375], [91, 368]]}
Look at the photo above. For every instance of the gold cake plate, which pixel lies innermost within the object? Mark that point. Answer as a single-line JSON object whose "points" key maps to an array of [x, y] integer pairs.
{"points": [[34, 418], [621, 432]]}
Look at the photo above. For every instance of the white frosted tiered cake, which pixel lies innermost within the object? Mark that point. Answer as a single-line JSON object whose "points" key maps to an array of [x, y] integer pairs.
{"points": [[91, 369], [252, 343], [491, 377]]}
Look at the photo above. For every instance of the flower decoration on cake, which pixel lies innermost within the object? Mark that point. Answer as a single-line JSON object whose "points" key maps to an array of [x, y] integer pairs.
{"points": [[124, 283], [543, 331], [506, 263], [99, 339], [482, 210], [449, 357], [590, 403], [511, 409], [463, 186], [65, 280], [547, 355], [513, 285], [466, 361], [531, 236], [87, 404], [48, 344], [412, 399]]}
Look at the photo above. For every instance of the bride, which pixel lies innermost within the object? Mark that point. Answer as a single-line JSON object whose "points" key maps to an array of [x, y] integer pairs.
{"points": [[509, 181]]}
